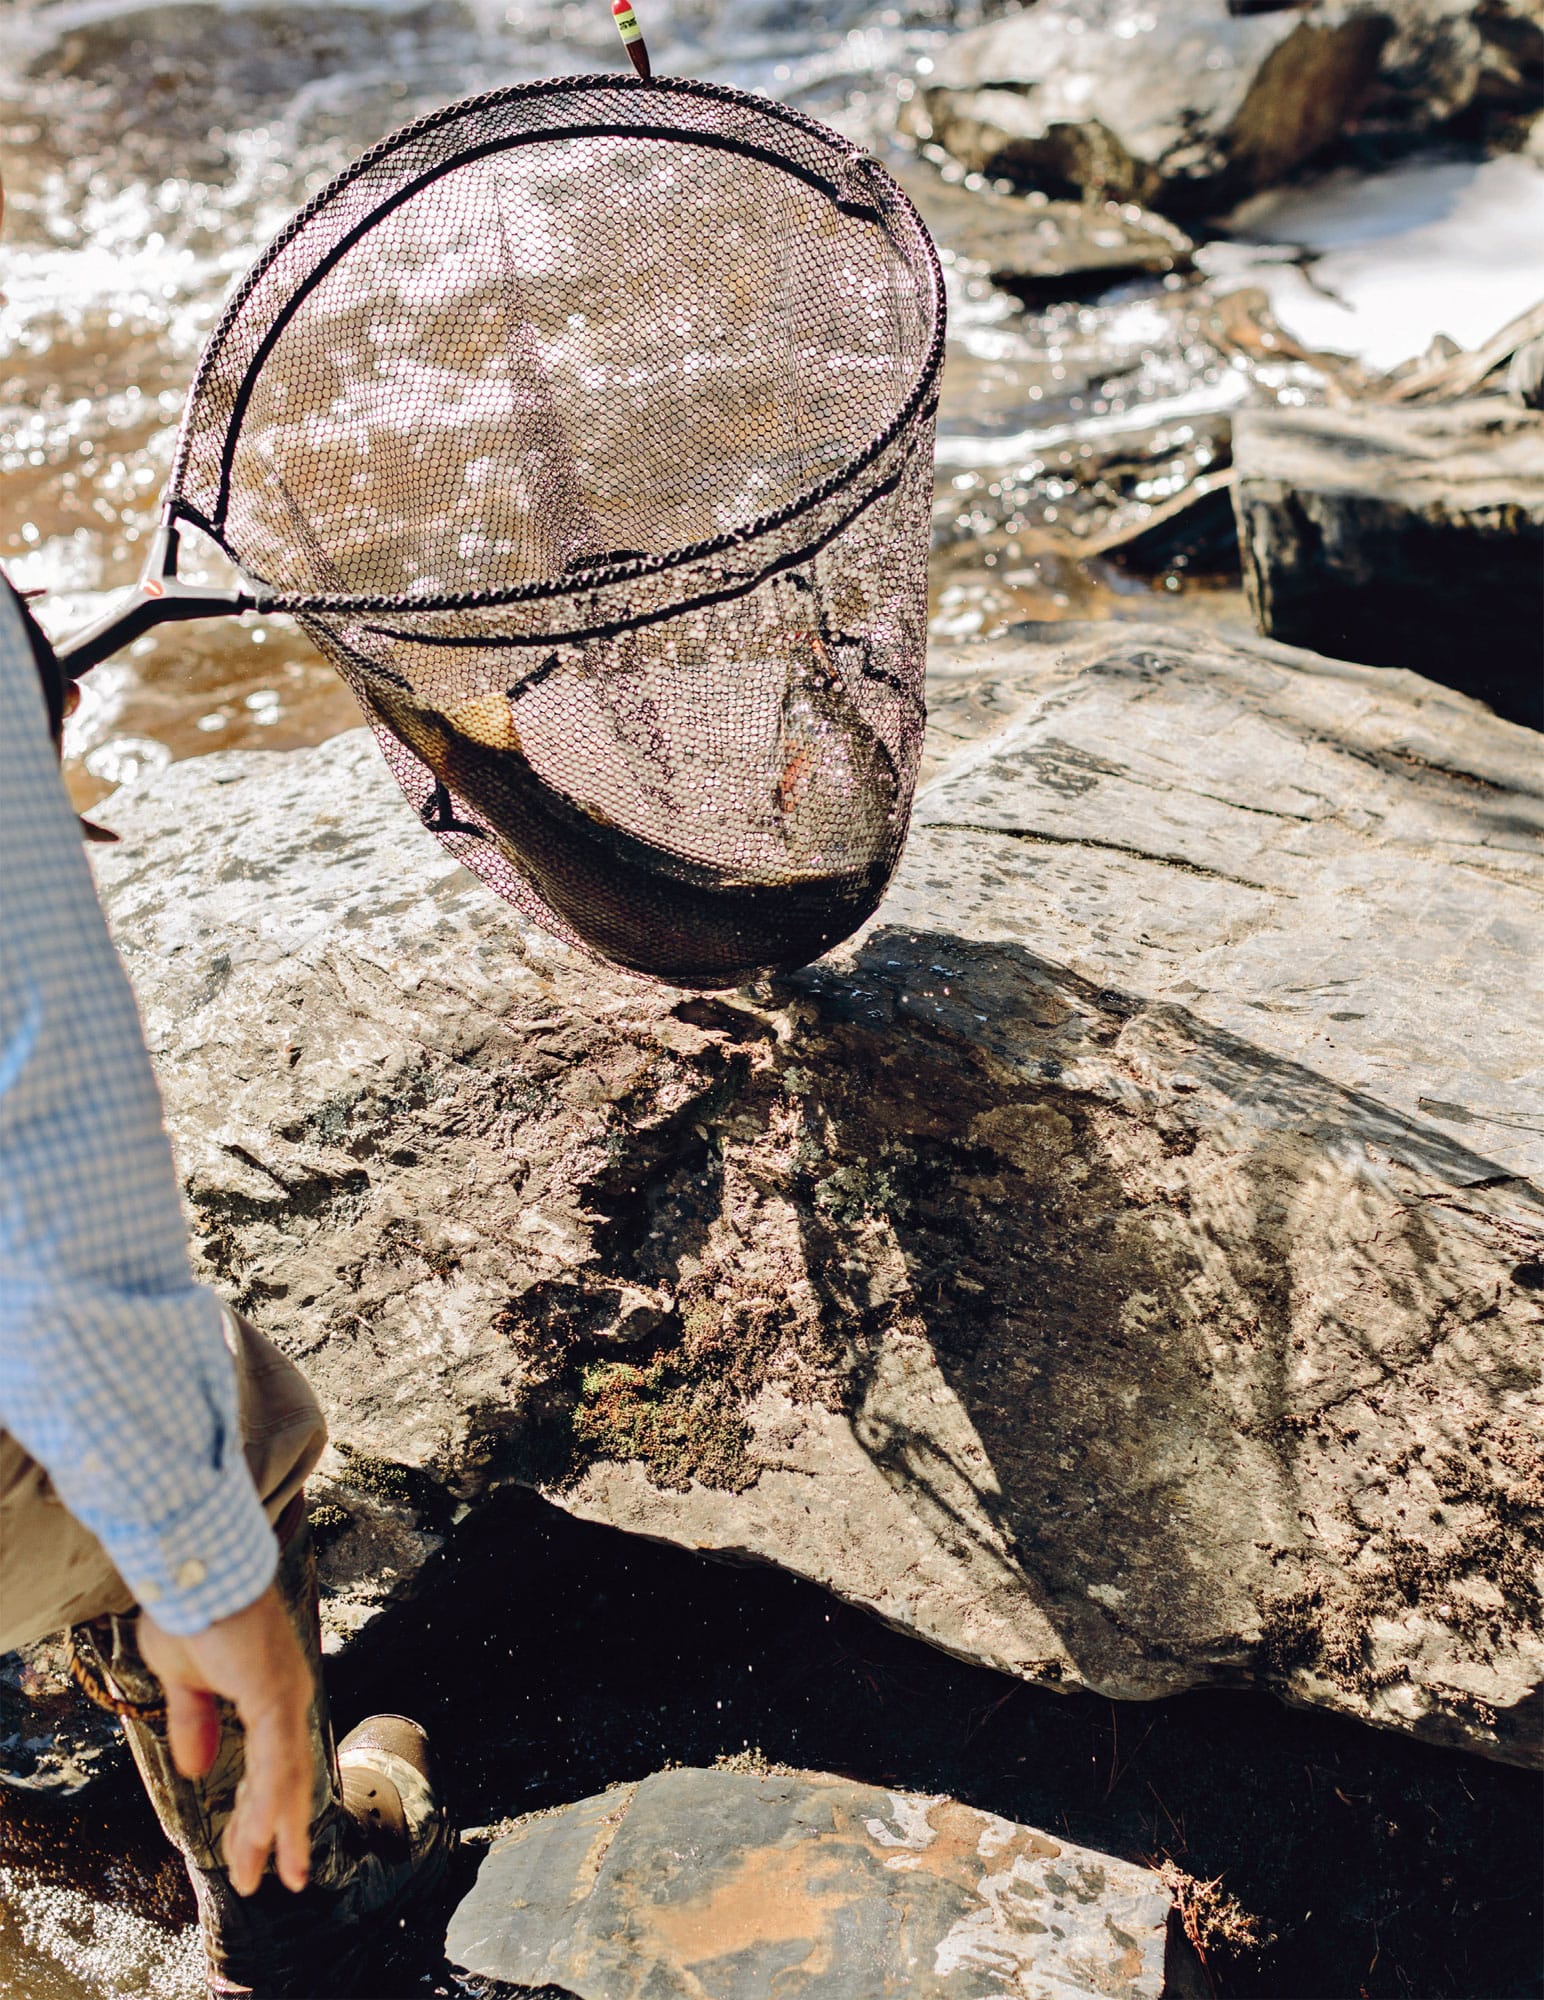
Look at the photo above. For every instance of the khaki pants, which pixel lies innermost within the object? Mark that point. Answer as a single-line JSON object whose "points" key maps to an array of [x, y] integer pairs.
{"points": [[54, 1572]]}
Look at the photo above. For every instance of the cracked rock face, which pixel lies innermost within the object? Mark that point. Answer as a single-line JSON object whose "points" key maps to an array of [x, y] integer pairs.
{"points": [[744, 1884], [1119, 1265]]}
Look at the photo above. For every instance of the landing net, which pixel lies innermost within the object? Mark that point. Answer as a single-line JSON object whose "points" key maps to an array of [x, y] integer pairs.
{"points": [[587, 428]]}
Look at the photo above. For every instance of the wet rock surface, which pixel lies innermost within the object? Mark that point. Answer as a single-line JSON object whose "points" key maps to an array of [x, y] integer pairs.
{"points": [[1040, 248], [1119, 1267], [1188, 107], [51, 1738], [1183, 107], [745, 1884], [1405, 537], [1452, 60]]}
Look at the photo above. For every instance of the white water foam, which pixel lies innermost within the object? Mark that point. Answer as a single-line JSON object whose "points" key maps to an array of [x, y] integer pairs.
{"points": [[1432, 247]]}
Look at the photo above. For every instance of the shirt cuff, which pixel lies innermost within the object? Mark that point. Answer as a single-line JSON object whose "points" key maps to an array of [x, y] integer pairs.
{"points": [[211, 1559]]}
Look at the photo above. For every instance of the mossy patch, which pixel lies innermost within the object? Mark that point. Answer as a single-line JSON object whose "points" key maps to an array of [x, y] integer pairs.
{"points": [[397, 1485], [852, 1193], [766, 1216], [681, 1427], [328, 1522], [359, 1113]]}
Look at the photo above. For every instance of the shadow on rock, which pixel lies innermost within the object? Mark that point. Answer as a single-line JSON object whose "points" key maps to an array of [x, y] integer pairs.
{"points": [[1178, 1358]]}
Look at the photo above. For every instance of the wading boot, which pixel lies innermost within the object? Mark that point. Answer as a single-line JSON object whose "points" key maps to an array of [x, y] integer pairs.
{"points": [[379, 1838]]}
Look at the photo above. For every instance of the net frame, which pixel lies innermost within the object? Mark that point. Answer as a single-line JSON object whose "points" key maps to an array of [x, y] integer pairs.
{"points": [[879, 489], [845, 163]]}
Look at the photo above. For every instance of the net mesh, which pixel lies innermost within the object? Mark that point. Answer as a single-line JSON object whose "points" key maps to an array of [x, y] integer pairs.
{"points": [[587, 428]]}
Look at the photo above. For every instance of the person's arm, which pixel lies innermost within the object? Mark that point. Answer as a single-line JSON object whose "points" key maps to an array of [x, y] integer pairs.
{"points": [[114, 1370]]}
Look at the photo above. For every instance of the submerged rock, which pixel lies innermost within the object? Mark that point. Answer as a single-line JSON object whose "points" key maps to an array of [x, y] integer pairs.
{"points": [[1117, 1266], [1186, 107], [1037, 248], [1405, 537], [739, 1885]]}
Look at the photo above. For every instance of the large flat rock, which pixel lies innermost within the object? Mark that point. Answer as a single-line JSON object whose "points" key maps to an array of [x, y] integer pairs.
{"points": [[1118, 1266], [1404, 537], [737, 1885], [1185, 106]]}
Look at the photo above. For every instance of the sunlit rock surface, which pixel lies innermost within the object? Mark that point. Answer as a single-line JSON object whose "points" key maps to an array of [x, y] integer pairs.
{"points": [[1119, 1266], [1405, 537], [1186, 107], [1035, 248], [739, 1885]]}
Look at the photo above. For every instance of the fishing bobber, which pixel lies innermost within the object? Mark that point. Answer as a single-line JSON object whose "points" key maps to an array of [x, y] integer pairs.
{"points": [[632, 35]]}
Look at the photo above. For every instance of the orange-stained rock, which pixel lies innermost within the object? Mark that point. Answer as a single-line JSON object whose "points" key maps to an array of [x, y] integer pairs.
{"points": [[731, 1885]]}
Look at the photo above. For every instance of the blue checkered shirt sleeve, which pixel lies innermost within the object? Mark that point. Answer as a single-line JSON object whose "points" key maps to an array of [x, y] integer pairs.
{"points": [[115, 1373]]}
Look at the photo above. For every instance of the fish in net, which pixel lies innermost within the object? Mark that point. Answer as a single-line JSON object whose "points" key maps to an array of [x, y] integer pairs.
{"points": [[586, 426]]}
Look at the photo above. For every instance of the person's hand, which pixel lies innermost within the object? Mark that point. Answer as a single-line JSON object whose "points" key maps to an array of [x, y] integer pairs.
{"points": [[254, 1660]]}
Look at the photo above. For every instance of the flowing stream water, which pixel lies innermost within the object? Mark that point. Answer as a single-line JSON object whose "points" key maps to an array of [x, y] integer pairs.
{"points": [[149, 153]]}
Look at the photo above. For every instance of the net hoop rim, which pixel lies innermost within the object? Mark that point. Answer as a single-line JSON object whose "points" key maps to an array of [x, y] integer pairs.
{"points": [[723, 589], [919, 401]]}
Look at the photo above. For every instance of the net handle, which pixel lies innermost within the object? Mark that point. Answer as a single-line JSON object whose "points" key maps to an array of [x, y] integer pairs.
{"points": [[159, 598]]}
